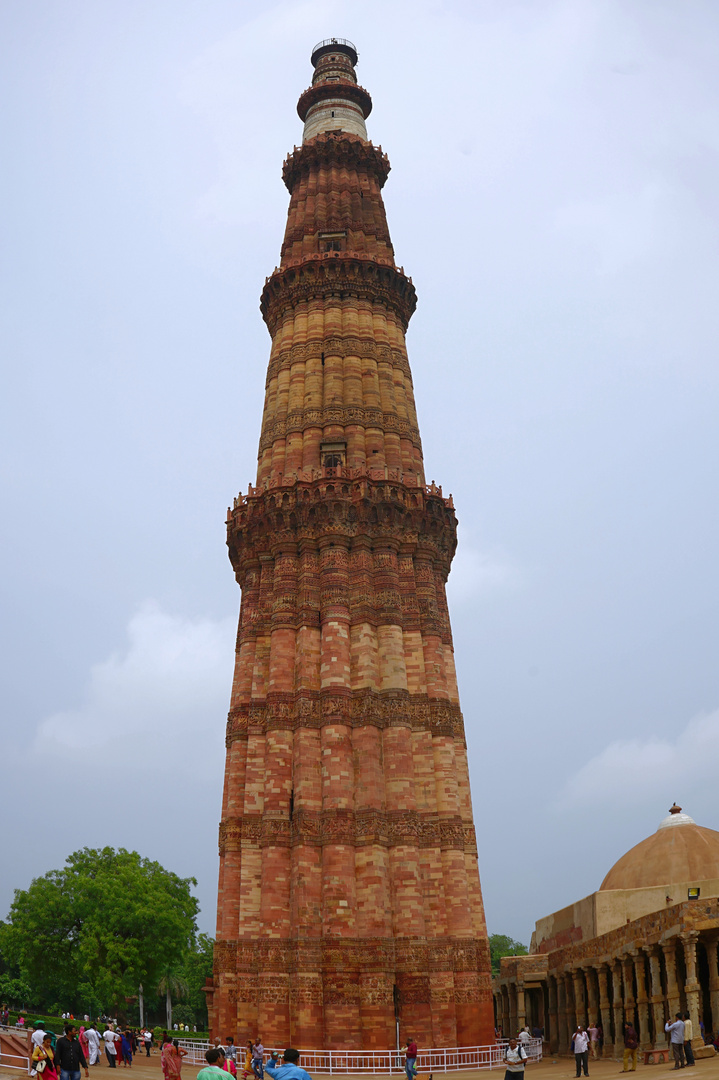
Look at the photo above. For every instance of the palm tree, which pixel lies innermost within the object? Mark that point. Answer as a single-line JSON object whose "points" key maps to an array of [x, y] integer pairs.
{"points": [[171, 985]]}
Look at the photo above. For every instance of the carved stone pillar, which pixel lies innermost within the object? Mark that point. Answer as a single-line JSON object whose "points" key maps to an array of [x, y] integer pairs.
{"points": [[592, 995], [691, 986], [604, 1011], [512, 1009], [645, 1035], [571, 1005], [580, 1003], [504, 1023], [552, 1031], [710, 941], [656, 995], [521, 1007], [628, 983], [562, 1017], [669, 949], [617, 1006]]}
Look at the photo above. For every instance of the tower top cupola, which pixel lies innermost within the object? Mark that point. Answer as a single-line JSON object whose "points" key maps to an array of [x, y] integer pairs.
{"points": [[334, 102]]}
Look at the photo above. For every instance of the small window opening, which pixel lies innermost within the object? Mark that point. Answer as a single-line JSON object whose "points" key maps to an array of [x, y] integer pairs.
{"points": [[333, 455], [292, 804], [333, 112], [323, 359]]}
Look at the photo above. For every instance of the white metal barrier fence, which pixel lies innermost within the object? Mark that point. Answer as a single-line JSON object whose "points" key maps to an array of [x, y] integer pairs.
{"points": [[388, 1061], [14, 1061]]}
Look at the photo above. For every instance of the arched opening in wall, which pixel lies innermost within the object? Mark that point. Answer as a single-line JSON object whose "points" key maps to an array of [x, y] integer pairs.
{"points": [[333, 454], [332, 241]]}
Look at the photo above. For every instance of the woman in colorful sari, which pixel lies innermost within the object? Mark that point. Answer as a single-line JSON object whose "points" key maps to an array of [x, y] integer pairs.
{"points": [[165, 1052], [45, 1055], [84, 1043], [173, 1060], [126, 1043]]}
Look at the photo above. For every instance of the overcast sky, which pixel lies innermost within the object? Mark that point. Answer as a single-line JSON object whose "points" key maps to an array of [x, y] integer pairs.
{"points": [[554, 195]]}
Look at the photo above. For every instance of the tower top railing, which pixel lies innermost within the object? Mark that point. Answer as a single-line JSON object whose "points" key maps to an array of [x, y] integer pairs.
{"points": [[334, 43]]}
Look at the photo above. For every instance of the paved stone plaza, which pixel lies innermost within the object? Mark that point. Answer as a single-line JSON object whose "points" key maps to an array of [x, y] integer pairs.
{"points": [[549, 1069]]}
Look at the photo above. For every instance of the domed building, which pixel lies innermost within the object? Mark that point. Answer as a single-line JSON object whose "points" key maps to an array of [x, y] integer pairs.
{"points": [[641, 948]]}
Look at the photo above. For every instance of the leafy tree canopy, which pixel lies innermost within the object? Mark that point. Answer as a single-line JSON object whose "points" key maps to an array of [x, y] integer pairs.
{"points": [[89, 934], [500, 945]]}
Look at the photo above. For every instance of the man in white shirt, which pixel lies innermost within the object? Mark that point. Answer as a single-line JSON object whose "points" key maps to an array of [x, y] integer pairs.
{"points": [[524, 1037], [515, 1058], [110, 1037], [581, 1050], [147, 1039], [38, 1034], [93, 1045], [688, 1036]]}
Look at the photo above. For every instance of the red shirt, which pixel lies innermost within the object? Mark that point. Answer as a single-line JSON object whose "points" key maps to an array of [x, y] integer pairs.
{"points": [[412, 1049]]}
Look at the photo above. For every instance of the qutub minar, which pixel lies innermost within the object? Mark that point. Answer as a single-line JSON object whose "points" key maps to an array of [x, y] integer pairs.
{"points": [[349, 893]]}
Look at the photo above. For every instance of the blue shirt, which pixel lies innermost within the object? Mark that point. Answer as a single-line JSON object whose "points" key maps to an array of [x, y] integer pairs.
{"points": [[677, 1031], [287, 1072]]}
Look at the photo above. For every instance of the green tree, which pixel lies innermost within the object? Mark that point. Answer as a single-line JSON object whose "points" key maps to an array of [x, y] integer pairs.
{"points": [[196, 968], [89, 934], [171, 985], [500, 945]]}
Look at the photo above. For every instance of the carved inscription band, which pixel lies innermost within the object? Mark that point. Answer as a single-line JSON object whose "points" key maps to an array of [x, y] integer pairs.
{"points": [[358, 829], [356, 708], [352, 416], [336, 346], [459, 955]]}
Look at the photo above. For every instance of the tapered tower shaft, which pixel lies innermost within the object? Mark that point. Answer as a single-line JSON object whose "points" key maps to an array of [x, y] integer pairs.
{"points": [[349, 891]]}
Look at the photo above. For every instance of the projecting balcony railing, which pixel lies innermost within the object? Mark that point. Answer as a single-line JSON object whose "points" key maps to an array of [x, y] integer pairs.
{"points": [[342, 472], [390, 1062], [329, 42]]}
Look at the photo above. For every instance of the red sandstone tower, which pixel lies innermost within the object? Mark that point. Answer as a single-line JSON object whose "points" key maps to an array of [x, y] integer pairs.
{"points": [[349, 892]]}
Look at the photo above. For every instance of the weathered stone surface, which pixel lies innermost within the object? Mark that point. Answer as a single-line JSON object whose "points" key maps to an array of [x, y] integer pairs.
{"points": [[348, 861]]}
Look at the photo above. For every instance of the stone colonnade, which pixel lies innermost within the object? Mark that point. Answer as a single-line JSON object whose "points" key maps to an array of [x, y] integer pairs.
{"points": [[645, 984]]}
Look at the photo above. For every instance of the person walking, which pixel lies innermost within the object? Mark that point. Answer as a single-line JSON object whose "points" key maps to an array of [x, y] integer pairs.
{"points": [[93, 1044], [147, 1040], [111, 1038], [69, 1057], [213, 1070], [173, 1060], [290, 1070], [593, 1031], [631, 1042], [515, 1058], [46, 1055], [676, 1038], [165, 1053], [38, 1033], [126, 1044], [581, 1050], [688, 1036], [410, 1064], [258, 1057]]}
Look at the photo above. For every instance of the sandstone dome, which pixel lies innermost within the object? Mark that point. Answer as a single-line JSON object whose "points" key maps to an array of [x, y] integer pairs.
{"points": [[679, 851]]}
